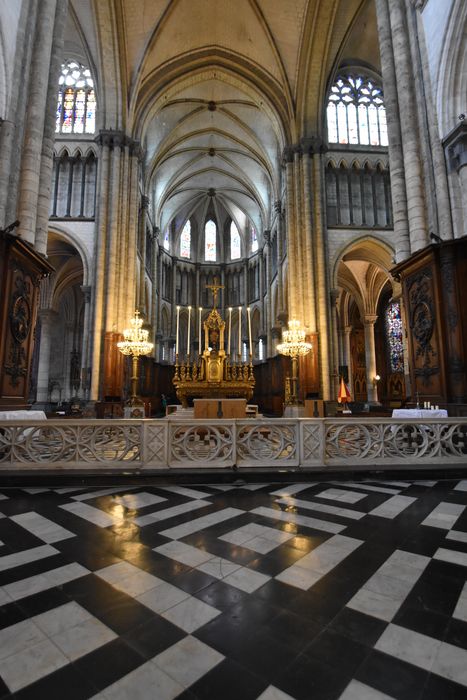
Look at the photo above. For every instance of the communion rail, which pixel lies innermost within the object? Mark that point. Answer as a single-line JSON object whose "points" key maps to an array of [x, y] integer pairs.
{"points": [[304, 443]]}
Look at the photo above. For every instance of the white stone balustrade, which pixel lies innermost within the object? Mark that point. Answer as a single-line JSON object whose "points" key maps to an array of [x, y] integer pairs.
{"points": [[305, 443]]}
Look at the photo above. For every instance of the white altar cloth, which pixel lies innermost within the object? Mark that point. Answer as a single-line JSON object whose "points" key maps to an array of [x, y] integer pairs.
{"points": [[419, 413], [22, 415]]}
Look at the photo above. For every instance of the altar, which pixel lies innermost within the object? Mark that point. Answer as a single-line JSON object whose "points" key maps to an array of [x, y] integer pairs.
{"points": [[215, 373]]}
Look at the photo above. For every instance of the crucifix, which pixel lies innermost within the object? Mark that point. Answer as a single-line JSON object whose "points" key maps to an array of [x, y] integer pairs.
{"points": [[214, 287]]}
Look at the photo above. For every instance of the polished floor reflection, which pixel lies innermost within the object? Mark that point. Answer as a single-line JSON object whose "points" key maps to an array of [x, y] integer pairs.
{"points": [[326, 590]]}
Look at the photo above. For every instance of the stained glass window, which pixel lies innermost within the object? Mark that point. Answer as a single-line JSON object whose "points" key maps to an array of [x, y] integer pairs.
{"points": [[235, 246], [356, 112], [166, 243], [210, 241], [394, 336], [254, 239], [76, 103], [185, 241]]}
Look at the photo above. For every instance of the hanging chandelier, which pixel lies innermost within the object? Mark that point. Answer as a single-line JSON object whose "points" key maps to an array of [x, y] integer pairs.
{"points": [[293, 341], [135, 339]]}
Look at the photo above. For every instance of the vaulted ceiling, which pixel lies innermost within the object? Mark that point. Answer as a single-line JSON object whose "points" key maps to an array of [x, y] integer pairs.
{"points": [[215, 89]]}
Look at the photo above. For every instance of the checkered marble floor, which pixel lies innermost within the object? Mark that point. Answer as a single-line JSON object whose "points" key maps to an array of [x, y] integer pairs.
{"points": [[332, 590]]}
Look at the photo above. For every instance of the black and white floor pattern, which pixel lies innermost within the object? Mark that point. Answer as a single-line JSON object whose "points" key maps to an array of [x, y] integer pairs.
{"points": [[329, 590]]}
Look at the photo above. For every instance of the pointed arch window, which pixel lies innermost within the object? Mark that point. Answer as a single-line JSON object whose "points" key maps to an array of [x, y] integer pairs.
{"points": [[185, 241], [235, 244], [166, 242], [210, 234], [393, 323], [253, 239], [356, 113], [76, 103]]}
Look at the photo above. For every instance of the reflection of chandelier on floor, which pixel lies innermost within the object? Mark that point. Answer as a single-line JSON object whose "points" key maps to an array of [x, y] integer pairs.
{"points": [[135, 343], [214, 372], [294, 345]]}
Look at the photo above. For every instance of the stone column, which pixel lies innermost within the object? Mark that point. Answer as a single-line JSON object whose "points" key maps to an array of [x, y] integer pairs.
{"points": [[456, 146], [410, 135], [334, 296], [280, 248], [291, 242], [11, 128], [85, 354], [100, 263], [321, 280], [370, 357], [348, 357], [154, 319], [48, 317], [35, 119], [396, 160], [267, 308], [128, 282], [309, 319], [142, 238], [47, 155]]}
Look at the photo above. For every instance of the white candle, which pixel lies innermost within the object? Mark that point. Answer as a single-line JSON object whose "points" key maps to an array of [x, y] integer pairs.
{"points": [[176, 333], [199, 331], [239, 331], [249, 330], [189, 329], [230, 330]]}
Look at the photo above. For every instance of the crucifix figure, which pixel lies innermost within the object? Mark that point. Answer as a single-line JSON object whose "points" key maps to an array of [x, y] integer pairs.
{"points": [[214, 287]]}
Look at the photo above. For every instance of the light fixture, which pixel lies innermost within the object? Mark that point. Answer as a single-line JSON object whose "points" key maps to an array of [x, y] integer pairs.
{"points": [[294, 345], [135, 343], [376, 379]]}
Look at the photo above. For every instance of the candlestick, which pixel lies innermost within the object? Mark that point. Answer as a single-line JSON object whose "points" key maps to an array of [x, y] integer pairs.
{"points": [[199, 331], [230, 330], [189, 329], [249, 330], [239, 331], [176, 333]]}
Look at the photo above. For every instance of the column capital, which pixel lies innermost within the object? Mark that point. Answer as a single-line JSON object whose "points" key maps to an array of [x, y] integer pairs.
{"points": [[267, 236], [334, 294], [86, 289], [348, 329], [47, 316], [144, 202], [278, 206], [370, 319], [456, 144]]}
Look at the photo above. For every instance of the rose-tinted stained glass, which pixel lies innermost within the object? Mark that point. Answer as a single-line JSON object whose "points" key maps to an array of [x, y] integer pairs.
{"points": [[235, 246], [80, 103], [210, 241], [76, 105], [91, 112], [185, 241], [394, 336], [69, 98]]}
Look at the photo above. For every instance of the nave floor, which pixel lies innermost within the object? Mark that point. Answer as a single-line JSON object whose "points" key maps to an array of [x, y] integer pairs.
{"points": [[308, 591]]}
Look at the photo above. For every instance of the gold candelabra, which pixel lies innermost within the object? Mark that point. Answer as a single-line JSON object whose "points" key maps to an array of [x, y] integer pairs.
{"points": [[135, 343], [294, 345]]}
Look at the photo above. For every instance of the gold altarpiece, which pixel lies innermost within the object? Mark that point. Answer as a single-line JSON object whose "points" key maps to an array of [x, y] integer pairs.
{"points": [[213, 374]]}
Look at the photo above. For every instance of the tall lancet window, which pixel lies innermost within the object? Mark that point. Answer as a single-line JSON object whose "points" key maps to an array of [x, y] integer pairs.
{"points": [[254, 239], [185, 241], [235, 245], [394, 336], [166, 242], [210, 231], [76, 104], [356, 112]]}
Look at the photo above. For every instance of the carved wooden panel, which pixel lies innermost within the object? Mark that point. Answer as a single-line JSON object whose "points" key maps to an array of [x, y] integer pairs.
{"points": [[21, 270]]}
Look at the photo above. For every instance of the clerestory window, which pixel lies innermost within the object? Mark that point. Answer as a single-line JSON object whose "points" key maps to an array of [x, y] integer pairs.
{"points": [[210, 231], [185, 241], [356, 113], [76, 104], [235, 245]]}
